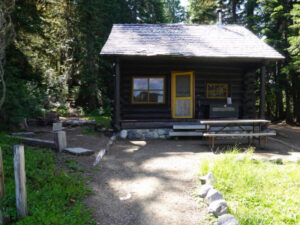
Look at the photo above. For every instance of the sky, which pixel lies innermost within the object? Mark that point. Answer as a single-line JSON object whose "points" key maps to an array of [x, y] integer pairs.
{"points": [[184, 2]]}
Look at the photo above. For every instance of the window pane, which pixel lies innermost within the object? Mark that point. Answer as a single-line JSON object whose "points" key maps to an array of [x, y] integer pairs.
{"points": [[156, 96], [140, 96], [140, 83], [183, 86], [157, 83]]}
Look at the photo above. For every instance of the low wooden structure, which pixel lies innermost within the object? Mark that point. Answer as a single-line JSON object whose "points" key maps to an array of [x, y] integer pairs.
{"points": [[236, 128], [172, 74]]}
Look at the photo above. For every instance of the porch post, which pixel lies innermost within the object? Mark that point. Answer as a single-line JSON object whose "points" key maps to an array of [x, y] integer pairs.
{"points": [[262, 92], [117, 95]]}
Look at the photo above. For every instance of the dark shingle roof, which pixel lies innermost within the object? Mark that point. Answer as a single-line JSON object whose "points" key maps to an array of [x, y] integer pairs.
{"points": [[228, 41]]}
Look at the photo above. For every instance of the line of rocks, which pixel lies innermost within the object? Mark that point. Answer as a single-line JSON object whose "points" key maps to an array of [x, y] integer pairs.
{"points": [[102, 152], [216, 203], [273, 159]]}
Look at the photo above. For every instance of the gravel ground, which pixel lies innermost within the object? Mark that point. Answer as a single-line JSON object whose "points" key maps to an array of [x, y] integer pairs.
{"points": [[159, 177]]}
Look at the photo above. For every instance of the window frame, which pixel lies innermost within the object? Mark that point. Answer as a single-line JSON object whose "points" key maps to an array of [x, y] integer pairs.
{"points": [[217, 83], [148, 89]]}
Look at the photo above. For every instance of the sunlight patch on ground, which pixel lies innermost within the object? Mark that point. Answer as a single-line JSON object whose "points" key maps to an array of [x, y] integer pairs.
{"points": [[143, 187], [132, 149], [139, 143]]}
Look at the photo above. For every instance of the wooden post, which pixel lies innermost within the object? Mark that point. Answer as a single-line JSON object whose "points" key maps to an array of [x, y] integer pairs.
{"points": [[20, 180], [60, 140], [262, 92], [117, 96], [57, 126]]}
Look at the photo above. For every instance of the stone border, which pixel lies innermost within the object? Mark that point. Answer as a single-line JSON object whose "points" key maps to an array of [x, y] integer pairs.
{"points": [[216, 204], [102, 152], [145, 134]]}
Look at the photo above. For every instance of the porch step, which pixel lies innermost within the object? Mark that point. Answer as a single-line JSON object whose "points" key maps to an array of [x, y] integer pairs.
{"points": [[185, 134], [188, 127]]}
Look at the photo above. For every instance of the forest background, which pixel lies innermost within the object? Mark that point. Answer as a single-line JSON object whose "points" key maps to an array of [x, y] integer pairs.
{"points": [[49, 50]]}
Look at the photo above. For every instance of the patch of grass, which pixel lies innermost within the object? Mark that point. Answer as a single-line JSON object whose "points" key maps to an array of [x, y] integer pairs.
{"points": [[72, 165], [96, 168], [257, 192], [54, 196], [100, 120], [89, 130]]}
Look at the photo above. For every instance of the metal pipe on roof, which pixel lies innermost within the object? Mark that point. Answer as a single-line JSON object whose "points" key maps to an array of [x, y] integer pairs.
{"points": [[219, 11]]}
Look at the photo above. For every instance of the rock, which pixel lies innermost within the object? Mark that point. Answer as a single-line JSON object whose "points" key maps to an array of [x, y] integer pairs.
{"points": [[276, 160], [255, 158], [139, 136], [57, 126], [240, 158], [227, 219], [213, 195], [113, 138], [123, 134], [204, 190], [208, 179], [294, 158], [218, 208], [79, 151], [149, 135], [131, 134], [100, 155]]}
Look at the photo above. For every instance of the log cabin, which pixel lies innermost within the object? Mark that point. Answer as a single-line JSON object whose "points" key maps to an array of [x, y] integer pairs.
{"points": [[168, 74]]}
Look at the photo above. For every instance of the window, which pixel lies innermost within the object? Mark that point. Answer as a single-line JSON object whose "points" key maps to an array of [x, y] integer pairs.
{"points": [[217, 90], [148, 90]]}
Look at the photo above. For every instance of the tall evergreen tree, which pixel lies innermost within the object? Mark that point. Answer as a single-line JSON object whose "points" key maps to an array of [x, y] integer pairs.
{"points": [[203, 11], [294, 65], [6, 36], [174, 12]]}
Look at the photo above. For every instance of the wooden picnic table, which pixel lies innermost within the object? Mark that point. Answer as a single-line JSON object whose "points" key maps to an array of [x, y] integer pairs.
{"points": [[225, 131], [234, 121]]}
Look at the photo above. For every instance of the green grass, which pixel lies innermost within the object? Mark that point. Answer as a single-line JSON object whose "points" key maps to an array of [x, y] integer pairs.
{"points": [[257, 192], [100, 120], [54, 196], [89, 130]]}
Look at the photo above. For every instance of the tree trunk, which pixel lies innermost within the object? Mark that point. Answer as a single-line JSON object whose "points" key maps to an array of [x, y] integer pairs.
{"points": [[2, 100], [233, 11], [279, 114]]}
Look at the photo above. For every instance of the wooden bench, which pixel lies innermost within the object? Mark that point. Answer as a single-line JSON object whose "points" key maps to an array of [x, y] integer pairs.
{"points": [[212, 135]]}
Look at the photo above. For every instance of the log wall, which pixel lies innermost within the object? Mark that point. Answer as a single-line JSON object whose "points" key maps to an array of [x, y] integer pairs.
{"points": [[232, 73]]}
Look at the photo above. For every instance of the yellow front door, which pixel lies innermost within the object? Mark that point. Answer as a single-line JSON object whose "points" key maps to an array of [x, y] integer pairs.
{"points": [[182, 94]]}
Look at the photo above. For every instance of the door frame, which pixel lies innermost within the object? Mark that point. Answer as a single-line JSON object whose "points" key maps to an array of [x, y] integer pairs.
{"points": [[173, 93]]}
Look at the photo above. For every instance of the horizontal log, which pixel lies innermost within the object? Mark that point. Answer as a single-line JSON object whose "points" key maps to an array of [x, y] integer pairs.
{"points": [[36, 142]]}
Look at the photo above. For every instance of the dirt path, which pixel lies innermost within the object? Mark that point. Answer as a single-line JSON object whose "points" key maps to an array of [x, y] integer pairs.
{"points": [[160, 177]]}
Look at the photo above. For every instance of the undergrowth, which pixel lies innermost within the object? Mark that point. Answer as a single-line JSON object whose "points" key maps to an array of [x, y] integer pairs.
{"points": [[53, 195], [257, 192]]}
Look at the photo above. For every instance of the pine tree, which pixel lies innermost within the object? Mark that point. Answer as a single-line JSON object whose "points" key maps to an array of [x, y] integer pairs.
{"points": [[294, 65], [174, 12], [203, 11]]}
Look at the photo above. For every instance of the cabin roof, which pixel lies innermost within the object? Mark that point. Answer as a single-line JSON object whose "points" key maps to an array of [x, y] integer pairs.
{"points": [[185, 40]]}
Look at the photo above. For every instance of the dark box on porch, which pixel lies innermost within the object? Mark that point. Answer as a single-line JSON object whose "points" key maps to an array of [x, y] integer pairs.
{"points": [[223, 111]]}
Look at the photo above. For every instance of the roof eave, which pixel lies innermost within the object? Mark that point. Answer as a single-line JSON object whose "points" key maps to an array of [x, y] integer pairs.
{"points": [[279, 58]]}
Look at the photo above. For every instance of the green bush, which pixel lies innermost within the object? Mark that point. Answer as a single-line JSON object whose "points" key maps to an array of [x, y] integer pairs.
{"points": [[53, 195], [257, 192]]}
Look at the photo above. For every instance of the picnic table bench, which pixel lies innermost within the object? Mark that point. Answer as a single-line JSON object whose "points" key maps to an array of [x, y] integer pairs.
{"points": [[243, 128]]}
